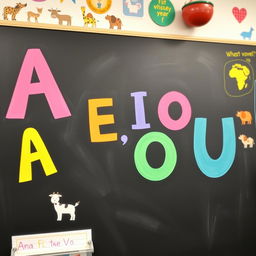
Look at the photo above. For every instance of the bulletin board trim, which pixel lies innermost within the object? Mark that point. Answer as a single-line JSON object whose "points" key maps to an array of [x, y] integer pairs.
{"points": [[123, 33]]}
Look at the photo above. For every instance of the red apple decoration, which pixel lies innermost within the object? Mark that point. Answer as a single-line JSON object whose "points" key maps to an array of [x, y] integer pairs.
{"points": [[197, 13]]}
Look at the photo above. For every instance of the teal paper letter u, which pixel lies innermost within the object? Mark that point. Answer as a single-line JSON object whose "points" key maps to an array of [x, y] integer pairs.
{"points": [[215, 168]]}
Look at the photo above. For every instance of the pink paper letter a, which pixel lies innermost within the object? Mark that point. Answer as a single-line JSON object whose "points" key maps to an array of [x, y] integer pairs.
{"points": [[47, 85]]}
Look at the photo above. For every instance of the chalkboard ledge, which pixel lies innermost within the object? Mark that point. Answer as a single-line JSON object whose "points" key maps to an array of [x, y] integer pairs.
{"points": [[121, 32]]}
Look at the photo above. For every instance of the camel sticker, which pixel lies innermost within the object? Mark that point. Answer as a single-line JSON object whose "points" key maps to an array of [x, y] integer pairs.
{"points": [[133, 7], [247, 141], [63, 208], [114, 22], [245, 117]]}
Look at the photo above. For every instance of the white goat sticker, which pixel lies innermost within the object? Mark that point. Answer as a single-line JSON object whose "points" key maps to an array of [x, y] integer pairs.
{"points": [[63, 208]]}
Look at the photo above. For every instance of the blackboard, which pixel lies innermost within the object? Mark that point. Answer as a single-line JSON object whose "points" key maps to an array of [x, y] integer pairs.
{"points": [[186, 213]]}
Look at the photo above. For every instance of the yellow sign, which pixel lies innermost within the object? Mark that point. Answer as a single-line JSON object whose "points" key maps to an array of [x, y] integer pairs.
{"points": [[99, 6]]}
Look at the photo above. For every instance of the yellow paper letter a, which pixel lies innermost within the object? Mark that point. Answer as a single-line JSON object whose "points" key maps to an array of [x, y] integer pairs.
{"points": [[31, 135]]}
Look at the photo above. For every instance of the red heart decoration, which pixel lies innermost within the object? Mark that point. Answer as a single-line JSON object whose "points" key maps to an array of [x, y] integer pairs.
{"points": [[239, 14]]}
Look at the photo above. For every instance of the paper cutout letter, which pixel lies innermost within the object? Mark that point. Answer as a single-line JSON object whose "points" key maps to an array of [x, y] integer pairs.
{"points": [[95, 120], [34, 60], [140, 156], [215, 168], [163, 110], [31, 135], [139, 111]]}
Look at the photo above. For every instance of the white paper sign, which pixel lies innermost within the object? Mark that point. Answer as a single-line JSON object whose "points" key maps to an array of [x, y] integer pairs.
{"points": [[52, 243]]}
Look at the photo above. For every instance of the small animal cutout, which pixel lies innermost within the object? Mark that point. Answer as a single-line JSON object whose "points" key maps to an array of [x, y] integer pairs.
{"points": [[63, 208], [239, 14], [34, 15], [247, 141], [245, 117], [114, 22], [247, 34], [60, 17], [8, 10], [88, 18]]}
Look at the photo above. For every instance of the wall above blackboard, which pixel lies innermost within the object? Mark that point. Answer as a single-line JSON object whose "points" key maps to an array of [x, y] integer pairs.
{"points": [[231, 23]]}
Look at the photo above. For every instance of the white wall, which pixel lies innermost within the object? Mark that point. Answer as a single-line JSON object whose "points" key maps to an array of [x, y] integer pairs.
{"points": [[222, 26]]}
